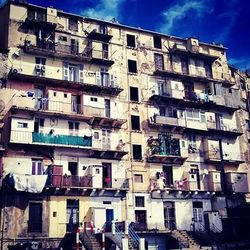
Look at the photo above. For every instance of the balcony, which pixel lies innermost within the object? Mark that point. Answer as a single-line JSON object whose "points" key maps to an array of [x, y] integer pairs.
{"points": [[236, 182], [197, 75], [86, 185], [188, 99], [34, 138], [103, 37], [216, 157], [164, 121], [62, 109], [225, 129], [200, 53], [39, 23], [166, 150], [51, 49], [110, 89]]}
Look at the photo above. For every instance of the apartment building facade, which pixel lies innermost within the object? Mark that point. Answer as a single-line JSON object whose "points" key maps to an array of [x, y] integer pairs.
{"points": [[104, 122]]}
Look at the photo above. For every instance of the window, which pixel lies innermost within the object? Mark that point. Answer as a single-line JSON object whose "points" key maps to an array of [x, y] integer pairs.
{"points": [[139, 201], [105, 51], [103, 29], [54, 93], [193, 114], [73, 24], [73, 73], [131, 40], [39, 125], [35, 217], [22, 125], [40, 60], [37, 167], [62, 38], [137, 152], [104, 77], [135, 122], [202, 117], [65, 95], [132, 66], [96, 135], [93, 99], [197, 211], [157, 42], [134, 95], [36, 15], [159, 64], [73, 128], [138, 178]]}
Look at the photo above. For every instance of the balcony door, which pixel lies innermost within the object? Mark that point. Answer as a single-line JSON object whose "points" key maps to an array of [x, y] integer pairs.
{"points": [[106, 142], [107, 107], [76, 104], [107, 175], [141, 219], [104, 77], [39, 94], [188, 90], [169, 215], [219, 121], [72, 215], [168, 176]]}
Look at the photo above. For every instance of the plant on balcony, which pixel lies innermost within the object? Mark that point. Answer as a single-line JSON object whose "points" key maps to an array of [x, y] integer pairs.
{"points": [[154, 145]]}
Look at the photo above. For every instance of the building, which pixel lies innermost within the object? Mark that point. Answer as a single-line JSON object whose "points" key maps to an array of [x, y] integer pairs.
{"points": [[103, 122]]}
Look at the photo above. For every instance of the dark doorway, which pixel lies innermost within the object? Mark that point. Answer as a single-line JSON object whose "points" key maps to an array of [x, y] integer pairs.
{"points": [[169, 215], [107, 175], [72, 215]]}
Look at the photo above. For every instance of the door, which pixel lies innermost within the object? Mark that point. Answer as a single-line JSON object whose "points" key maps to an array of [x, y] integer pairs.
{"points": [[219, 121], [107, 107], [169, 215], [141, 219], [37, 167], [72, 73], [106, 139], [184, 65], [74, 46], [107, 175], [109, 215], [35, 217], [168, 176], [206, 222], [104, 77], [72, 215], [197, 216], [76, 104], [39, 102], [188, 91], [105, 51]]}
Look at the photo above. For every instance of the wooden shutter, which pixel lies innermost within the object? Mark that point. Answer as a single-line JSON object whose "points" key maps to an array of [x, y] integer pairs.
{"points": [[81, 73], [98, 78], [65, 71]]}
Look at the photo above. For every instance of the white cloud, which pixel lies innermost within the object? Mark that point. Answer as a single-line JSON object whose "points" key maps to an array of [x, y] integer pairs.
{"points": [[105, 9], [179, 11]]}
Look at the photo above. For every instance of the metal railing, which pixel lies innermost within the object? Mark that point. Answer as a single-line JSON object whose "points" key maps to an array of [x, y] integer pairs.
{"points": [[133, 235], [18, 136], [71, 50]]}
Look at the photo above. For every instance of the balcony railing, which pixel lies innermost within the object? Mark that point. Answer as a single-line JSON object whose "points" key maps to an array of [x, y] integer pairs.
{"points": [[212, 125], [170, 121], [73, 181], [47, 139], [95, 35], [62, 50], [62, 139]]}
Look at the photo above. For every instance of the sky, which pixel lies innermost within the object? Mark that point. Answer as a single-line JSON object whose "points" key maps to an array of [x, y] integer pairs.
{"points": [[224, 22]]}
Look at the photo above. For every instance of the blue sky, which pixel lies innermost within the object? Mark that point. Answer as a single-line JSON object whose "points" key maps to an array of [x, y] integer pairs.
{"points": [[220, 21]]}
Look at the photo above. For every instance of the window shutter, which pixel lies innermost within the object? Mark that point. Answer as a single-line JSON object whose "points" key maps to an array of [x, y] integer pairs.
{"points": [[65, 71], [111, 80], [98, 78], [81, 73]]}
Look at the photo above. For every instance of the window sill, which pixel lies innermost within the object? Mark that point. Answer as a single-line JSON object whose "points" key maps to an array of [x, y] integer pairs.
{"points": [[136, 131], [133, 74]]}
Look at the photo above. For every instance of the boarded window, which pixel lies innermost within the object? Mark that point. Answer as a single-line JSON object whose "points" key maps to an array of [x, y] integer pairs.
{"points": [[159, 64]]}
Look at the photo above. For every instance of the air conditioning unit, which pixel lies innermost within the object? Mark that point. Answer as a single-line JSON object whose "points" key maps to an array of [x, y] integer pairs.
{"points": [[40, 69]]}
